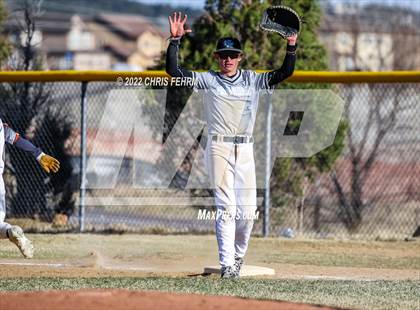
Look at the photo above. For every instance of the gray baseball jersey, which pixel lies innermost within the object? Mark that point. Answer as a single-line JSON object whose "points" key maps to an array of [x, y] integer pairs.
{"points": [[231, 103]]}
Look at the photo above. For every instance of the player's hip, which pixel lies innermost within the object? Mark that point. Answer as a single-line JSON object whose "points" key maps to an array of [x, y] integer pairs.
{"points": [[234, 149], [229, 145]]}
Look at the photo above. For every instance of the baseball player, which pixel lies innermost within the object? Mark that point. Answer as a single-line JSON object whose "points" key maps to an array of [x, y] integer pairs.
{"points": [[48, 163], [230, 99]]}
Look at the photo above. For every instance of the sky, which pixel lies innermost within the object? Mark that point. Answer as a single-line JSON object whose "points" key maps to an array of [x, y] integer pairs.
{"points": [[199, 4]]}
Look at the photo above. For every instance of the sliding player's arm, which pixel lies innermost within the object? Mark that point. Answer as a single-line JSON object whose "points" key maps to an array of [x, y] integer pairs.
{"points": [[48, 163]]}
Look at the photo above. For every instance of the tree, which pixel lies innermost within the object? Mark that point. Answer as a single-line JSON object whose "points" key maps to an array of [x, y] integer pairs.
{"points": [[4, 43], [381, 103], [241, 19], [29, 109]]}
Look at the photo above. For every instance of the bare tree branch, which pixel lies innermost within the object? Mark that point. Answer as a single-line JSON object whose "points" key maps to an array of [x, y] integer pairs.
{"points": [[384, 104]]}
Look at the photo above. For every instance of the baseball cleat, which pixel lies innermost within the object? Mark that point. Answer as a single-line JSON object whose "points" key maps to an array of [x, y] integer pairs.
{"points": [[227, 272], [25, 246], [239, 261]]}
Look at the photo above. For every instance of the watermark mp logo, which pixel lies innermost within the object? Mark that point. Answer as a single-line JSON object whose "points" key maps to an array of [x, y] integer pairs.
{"points": [[133, 122]]}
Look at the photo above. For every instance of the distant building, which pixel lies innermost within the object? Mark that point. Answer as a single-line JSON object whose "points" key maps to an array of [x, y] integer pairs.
{"points": [[102, 42], [377, 38], [371, 38]]}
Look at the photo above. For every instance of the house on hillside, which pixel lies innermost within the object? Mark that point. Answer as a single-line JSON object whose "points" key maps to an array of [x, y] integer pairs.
{"points": [[129, 39], [358, 39], [102, 42]]}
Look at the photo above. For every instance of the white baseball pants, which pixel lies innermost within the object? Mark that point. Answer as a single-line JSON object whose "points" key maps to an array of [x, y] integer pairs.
{"points": [[231, 169], [3, 225]]}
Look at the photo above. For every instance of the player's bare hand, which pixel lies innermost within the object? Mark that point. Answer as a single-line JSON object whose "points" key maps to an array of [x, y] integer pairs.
{"points": [[292, 39], [177, 25]]}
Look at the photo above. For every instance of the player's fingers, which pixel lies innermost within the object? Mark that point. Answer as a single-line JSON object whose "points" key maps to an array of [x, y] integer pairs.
{"points": [[185, 19], [170, 19], [179, 17], [55, 169], [46, 169], [188, 30]]}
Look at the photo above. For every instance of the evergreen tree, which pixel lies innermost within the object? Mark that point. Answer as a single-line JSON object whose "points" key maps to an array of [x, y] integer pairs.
{"points": [[262, 50], [4, 44]]}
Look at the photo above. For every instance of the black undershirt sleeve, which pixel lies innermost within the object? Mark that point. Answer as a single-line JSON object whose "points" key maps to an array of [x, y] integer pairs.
{"points": [[286, 70], [172, 67]]}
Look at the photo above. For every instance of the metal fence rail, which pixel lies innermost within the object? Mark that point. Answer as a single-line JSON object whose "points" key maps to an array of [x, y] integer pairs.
{"points": [[74, 104]]}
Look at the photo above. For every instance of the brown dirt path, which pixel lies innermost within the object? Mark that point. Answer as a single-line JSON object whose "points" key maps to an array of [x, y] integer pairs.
{"points": [[127, 300], [32, 268]]}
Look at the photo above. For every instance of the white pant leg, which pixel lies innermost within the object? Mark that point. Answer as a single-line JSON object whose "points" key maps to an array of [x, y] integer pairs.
{"points": [[246, 196], [3, 225], [220, 166]]}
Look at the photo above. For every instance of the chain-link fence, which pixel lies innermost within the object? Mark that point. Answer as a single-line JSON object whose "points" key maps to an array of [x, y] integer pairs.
{"points": [[371, 191]]}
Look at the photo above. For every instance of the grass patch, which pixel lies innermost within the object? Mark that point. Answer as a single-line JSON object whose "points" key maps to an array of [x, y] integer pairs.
{"points": [[350, 294], [337, 253]]}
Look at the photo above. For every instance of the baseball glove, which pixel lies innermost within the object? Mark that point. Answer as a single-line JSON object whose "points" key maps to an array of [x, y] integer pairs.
{"points": [[49, 163], [281, 19]]}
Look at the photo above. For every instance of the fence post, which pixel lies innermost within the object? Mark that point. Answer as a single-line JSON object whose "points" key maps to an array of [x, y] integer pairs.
{"points": [[83, 157], [266, 219]]}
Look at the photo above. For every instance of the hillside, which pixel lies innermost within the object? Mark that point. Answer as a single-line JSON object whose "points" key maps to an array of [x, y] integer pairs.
{"points": [[88, 7]]}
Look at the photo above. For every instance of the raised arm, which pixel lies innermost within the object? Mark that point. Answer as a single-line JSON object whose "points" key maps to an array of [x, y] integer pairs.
{"points": [[288, 66], [176, 24]]}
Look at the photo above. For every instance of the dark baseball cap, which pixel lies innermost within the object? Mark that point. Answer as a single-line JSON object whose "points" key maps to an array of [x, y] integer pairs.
{"points": [[228, 44]]}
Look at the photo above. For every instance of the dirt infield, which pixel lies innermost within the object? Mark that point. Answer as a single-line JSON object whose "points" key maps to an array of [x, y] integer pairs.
{"points": [[126, 300], [14, 269]]}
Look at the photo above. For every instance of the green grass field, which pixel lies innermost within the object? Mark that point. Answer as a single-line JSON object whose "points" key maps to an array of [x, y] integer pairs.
{"points": [[351, 274], [351, 294]]}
